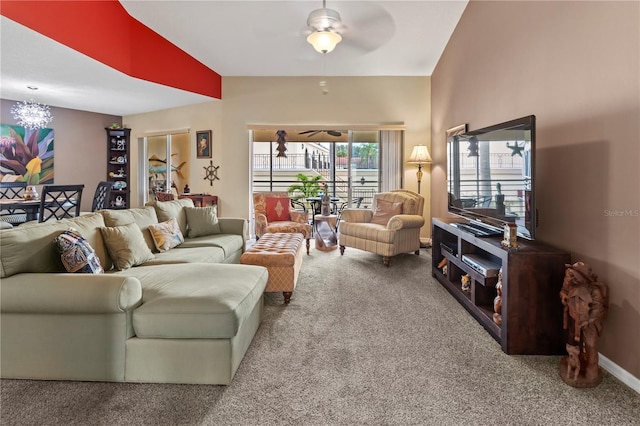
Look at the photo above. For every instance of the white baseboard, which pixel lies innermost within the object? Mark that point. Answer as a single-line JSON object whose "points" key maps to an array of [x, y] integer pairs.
{"points": [[619, 373]]}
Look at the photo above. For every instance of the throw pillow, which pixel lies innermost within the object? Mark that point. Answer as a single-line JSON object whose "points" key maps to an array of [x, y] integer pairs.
{"points": [[168, 209], [384, 211], [202, 221], [126, 245], [143, 217], [76, 253], [166, 235], [277, 209]]}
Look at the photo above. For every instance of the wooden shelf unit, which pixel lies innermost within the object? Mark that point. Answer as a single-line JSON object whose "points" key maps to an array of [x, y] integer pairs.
{"points": [[532, 277], [118, 150]]}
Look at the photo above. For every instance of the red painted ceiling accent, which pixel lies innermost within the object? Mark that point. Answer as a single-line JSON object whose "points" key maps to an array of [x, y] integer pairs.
{"points": [[104, 31]]}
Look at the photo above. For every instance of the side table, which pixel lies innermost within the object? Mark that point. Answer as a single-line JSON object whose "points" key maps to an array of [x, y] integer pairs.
{"points": [[324, 228], [201, 200]]}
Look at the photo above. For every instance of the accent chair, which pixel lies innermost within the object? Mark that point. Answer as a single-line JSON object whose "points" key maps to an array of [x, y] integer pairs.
{"points": [[277, 212], [391, 227]]}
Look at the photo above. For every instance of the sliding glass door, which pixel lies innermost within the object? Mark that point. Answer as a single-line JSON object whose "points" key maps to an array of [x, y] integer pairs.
{"points": [[346, 161]]}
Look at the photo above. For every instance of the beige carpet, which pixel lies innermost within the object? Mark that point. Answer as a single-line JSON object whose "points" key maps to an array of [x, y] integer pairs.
{"points": [[359, 344]]}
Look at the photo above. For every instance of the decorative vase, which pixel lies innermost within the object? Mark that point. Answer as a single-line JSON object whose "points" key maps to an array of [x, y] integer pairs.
{"points": [[30, 193]]}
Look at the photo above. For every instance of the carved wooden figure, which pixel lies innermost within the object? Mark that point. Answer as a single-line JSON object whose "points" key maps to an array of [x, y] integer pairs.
{"points": [[497, 302], [586, 302], [465, 282]]}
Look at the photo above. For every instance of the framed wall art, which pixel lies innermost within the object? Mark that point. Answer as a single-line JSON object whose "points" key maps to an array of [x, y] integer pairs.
{"points": [[203, 144]]}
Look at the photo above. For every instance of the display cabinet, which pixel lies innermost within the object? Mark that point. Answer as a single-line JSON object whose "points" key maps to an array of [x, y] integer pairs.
{"points": [[118, 148], [532, 276]]}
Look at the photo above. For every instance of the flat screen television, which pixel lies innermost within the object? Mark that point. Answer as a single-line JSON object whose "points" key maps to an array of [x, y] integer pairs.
{"points": [[491, 175]]}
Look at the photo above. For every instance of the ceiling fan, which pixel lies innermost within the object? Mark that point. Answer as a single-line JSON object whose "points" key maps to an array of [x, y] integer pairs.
{"points": [[325, 26], [369, 27], [311, 133]]}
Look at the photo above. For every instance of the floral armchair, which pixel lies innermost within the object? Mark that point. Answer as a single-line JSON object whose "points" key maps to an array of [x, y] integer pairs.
{"points": [[274, 212], [390, 228]]}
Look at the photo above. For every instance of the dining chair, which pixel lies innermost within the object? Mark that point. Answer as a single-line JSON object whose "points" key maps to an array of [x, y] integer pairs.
{"points": [[59, 202], [101, 196], [11, 190]]}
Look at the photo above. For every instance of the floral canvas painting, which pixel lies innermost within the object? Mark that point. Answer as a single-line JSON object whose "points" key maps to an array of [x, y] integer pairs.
{"points": [[26, 155]]}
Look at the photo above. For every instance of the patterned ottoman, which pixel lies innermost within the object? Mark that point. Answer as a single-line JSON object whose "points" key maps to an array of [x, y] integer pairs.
{"points": [[281, 253]]}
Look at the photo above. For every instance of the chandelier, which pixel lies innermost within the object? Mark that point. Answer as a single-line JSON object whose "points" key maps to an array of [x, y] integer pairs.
{"points": [[31, 114]]}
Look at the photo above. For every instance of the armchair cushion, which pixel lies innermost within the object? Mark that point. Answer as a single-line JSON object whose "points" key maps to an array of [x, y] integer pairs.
{"points": [[384, 211], [278, 209]]}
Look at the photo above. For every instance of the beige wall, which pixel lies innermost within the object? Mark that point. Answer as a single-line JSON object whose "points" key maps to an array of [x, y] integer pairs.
{"points": [[204, 116], [291, 100], [80, 147], [575, 65]]}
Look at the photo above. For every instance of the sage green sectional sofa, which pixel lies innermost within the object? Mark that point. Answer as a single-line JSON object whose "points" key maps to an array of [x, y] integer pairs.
{"points": [[184, 315]]}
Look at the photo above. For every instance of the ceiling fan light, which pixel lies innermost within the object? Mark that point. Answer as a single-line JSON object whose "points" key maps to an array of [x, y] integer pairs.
{"points": [[324, 41]]}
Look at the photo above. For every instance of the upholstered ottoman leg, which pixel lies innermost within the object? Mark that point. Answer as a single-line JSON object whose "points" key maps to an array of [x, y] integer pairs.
{"points": [[341, 250], [281, 254], [386, 260]]}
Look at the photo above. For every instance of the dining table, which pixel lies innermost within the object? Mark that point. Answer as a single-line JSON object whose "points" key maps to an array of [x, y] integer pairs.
{"points": [[30, 207]]}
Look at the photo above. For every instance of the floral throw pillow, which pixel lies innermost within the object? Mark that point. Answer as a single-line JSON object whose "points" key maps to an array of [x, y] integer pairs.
{"points": [[277, 209], [76, 253], [166, 235]]}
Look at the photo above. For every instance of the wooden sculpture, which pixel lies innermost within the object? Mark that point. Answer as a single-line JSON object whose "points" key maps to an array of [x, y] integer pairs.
{"points": [[497, 302], [585, 303], [465, 281], [443, 265]]}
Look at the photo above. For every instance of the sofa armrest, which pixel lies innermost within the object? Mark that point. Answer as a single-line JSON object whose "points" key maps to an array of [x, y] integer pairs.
{"points": [[69, 293], [356, 215], [405, 221], [234, 225]]}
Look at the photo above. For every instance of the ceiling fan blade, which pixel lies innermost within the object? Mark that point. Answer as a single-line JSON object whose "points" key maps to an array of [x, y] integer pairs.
{"points": [[334, 133], [367, 26], [310, 132]]}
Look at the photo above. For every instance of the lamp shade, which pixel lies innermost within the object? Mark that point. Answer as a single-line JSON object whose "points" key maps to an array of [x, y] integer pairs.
{"points": [[420, 155], [324, 41]]}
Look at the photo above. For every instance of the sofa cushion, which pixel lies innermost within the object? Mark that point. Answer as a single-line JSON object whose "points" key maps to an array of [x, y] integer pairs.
{"points": [[384, 211], [143, 217], [76, 253], [126, 245], [202, 221], [166, 235], [30, 247], [188, 255], [182, 301], [277, 209], [168, 209], [230, 243]]}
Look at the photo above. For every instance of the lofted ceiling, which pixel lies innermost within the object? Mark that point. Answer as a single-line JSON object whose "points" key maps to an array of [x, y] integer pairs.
{"points": [[233, 38]]}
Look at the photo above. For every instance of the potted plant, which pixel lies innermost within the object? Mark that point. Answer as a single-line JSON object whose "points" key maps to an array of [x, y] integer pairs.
{"points": [[307, 186]]}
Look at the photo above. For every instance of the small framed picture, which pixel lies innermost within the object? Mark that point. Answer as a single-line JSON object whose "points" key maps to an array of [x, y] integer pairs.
{"points": [[203, 144]]}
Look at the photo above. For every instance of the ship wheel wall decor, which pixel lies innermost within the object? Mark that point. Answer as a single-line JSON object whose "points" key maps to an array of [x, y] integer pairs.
{"points": [[211, 172]]}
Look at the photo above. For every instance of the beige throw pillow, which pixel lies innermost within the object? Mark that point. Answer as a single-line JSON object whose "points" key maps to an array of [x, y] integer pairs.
{"points": [[202, 221], [126, 245], [384, 211], [166, 235]]}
